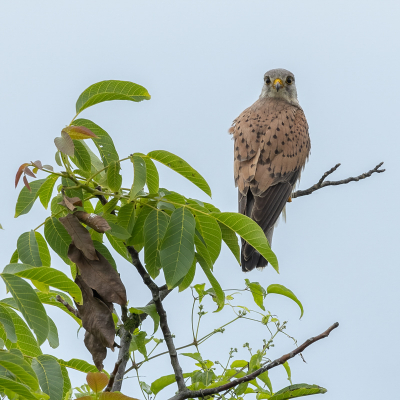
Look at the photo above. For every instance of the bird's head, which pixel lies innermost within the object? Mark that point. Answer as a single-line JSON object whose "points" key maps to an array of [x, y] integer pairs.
{"points": [[280, 84]]}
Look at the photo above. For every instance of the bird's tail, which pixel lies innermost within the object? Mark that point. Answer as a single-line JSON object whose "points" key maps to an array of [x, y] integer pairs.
{"points": [[251, 258]]}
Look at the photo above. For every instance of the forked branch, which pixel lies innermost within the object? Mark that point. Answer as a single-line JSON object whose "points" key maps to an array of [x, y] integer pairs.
{"points": [[249, 377], [322, 183]]}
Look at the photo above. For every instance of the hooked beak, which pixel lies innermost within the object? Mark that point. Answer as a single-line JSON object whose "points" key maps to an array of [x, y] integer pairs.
{"points": [[278, 84]]}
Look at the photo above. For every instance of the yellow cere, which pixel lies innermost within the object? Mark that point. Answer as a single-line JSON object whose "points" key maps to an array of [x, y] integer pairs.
{"points": [[278, 80]]}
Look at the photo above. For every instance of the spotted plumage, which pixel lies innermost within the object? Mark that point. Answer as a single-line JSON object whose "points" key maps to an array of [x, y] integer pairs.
{"points": [[271, 148]]}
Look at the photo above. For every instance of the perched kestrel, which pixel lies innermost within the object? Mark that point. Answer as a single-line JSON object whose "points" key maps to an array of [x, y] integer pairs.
{"points": [[271, 148]]}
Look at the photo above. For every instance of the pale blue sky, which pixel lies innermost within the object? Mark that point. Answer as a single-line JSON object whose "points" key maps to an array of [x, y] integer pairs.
{"points": [[203, 63]]}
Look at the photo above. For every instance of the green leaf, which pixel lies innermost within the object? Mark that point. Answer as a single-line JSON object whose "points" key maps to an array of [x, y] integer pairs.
{"points": [[231, 240], [250, 231], [16, 387], [154, 230], [114, 178], [20, 368], [239, 364], [96, 164], [137, 233], [150, 310], [282, 290], [126, 216], [105, 252], [49, 276], [265, 378], [181, 167], [211, 233], [46, 189], [110, 90], [289, 373], [138, 343], [219, 294], [44, 252], [28, 249], [104, 143], [66, 182], [299, 390], [119, 247], [29, 304], [15, 257], [26, 342], [53, 334], [255, 361], [50, 376], [109, 207], [26, 198], [67, 382], [79, 365], [177, 252], [57, 208], [258, 293], [82, 156], [241, 388], [8, 324], [139, 178], [152, 177], [161, 383], [195, 356], [57, 237], [188, 279]]}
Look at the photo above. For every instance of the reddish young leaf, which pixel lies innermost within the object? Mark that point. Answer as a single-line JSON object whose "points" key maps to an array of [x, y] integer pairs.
{"points": [[38, 164], [49, 167], [99, 275], [65, 144], [19, 173], [114, 396], [26, 183], [97, 381], [96, 315], [80, 236], [99, 224], [96, 349], [79, 132], [28, 172]]}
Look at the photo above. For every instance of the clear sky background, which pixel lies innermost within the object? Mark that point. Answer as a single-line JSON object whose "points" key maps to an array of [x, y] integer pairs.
{"points": [[203, 63]]}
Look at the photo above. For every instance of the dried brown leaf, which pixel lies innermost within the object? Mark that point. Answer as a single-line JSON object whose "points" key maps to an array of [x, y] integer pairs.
{"points": [[71, 202], [96, 349], [99, 224], [80, 236], [19, 173], [100, 276], [96, 315], [97, 381], [26, 183], [79, 132]]}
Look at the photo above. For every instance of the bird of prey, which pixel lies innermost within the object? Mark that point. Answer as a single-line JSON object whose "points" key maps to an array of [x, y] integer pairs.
{"points": [[271, 148]]}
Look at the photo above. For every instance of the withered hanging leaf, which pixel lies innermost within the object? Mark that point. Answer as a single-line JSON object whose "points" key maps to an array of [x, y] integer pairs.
{"points": [[96, 315], [19, 173], [65, 144], [96, 349], [26, 183], [38, 164], [71, 202], [28, 172], [79, 132], [99, 275], [80, 236], [99, 224]]}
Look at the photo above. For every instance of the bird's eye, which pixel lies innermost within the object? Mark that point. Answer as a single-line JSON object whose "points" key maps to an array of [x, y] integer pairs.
{"points": [[267, 80], [289, 80]]}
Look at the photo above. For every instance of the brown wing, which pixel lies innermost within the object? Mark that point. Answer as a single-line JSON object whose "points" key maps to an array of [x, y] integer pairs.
{"points": [[271, 148]]}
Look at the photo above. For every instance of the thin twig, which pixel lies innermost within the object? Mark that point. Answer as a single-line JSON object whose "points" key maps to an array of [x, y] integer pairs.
{"points": [[249, 377], [155, 291], [112, 376], [322, 183], [68, 307]]}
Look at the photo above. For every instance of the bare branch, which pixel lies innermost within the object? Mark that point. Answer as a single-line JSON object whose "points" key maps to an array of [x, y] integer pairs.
{"points": [[68, 307], [249, 377], [112, 376], [322, 183], [155, 291]]}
